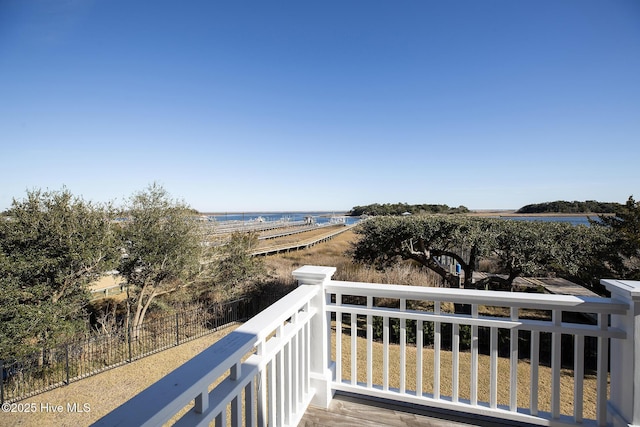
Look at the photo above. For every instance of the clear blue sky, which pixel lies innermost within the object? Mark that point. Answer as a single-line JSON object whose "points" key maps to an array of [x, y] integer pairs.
{"points": [[322, 105]]}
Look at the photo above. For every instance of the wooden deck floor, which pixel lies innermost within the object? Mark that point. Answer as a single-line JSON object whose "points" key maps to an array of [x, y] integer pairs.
{"points": [[346, 410]]}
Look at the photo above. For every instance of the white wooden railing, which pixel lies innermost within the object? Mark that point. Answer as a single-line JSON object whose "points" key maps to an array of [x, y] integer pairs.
{"points": [[258, 374], [268, 370], [473, 403]]}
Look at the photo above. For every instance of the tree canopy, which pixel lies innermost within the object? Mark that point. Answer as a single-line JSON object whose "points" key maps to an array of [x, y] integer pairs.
{"points": [[561, 206], [236, 269], [403, 208], [424, 239], [517, 247], [162, 247], [623, 251], [537, 248], [52, 245]]}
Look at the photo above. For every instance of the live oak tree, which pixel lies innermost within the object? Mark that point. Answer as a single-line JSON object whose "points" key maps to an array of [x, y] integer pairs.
{"points": [[623, 253], [582, 255], [162, 249], [523, 248], [517, 247], [236, 270], [426, 240], [52, 245]]}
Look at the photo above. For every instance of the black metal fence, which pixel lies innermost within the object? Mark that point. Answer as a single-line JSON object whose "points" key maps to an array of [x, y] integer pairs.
{"points": [[63, 364]]}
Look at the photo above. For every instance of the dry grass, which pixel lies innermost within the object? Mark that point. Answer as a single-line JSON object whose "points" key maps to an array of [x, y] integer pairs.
{"points": [[334, 253], [108, 390], [523, 388]]}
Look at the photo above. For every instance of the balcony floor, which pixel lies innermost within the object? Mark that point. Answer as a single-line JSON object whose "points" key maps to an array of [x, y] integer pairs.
{"points": [[348, 410]]}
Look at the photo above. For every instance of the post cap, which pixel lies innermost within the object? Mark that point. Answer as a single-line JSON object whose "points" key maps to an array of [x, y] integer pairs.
{"points": [[628, 288], [313, 273]]}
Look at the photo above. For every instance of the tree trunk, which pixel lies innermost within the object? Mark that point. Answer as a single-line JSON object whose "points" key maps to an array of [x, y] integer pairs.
{"points": [[470, 267], [138, 316], [452, 280]]}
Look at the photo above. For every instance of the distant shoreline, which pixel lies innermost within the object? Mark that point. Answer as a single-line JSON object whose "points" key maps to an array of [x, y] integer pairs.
{"points": [[273, 212], [512, 213], [478, 213]]}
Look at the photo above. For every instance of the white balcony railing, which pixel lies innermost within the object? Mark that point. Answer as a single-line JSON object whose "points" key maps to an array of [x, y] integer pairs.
{"points": [[271, 368]]}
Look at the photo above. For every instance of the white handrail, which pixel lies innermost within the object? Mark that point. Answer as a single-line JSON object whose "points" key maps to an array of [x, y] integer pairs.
{"points": [[273, 366], [361, 313], [223, 360], [474, 296]]}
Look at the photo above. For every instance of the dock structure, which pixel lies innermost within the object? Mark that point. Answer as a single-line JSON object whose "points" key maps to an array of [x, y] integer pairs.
{"points": [[289, 231], [227, 227], [114, 285], [559, 286], [551, 285], [299, 245], [109, 285]]}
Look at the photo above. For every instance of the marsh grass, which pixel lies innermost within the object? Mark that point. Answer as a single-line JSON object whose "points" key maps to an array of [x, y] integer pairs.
{"points": [[334, 253]]}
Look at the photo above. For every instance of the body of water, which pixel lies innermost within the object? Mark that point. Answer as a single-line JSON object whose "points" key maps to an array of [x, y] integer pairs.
{"points": [[320, 217]]}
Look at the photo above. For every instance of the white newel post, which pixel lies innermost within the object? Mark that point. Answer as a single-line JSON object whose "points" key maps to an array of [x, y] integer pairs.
{"points": [[321, 367], [624, 401]]}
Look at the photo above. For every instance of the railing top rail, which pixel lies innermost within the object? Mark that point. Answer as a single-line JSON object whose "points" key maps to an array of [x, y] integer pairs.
{"points": [[163, 399], [473, 296], [265, 322]]}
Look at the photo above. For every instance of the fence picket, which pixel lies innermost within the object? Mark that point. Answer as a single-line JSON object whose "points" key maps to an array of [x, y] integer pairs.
{"points": [[385, 354], [602, 377], [437, 332], [494, 368], [403, 347], [513, 363], [555, 365], [578, 378], [354, 349], [455, 363], [419, 348], [369, 344], [338, 340], [77, 359], [474, 357], [535, 361]]}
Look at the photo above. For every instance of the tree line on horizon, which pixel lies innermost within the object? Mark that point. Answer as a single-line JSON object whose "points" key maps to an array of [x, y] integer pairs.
{"points": [[558, 206], [561, 206], [377, 209]]}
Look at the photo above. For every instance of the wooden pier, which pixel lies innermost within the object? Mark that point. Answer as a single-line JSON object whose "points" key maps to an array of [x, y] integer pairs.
{"points": [[301, 244]]}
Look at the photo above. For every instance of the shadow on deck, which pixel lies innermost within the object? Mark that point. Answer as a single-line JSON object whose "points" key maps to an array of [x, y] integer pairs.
{"points": [[350, 410]]}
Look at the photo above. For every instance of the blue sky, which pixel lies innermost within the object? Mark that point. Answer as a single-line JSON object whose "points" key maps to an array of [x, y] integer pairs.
{"points": [[322, 105]]}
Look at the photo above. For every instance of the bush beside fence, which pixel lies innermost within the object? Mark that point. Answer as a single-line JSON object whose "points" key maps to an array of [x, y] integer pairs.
{"points": [[60, 365]]}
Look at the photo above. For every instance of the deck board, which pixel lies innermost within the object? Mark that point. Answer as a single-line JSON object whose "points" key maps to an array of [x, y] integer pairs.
{"points": [[347, 410]]}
